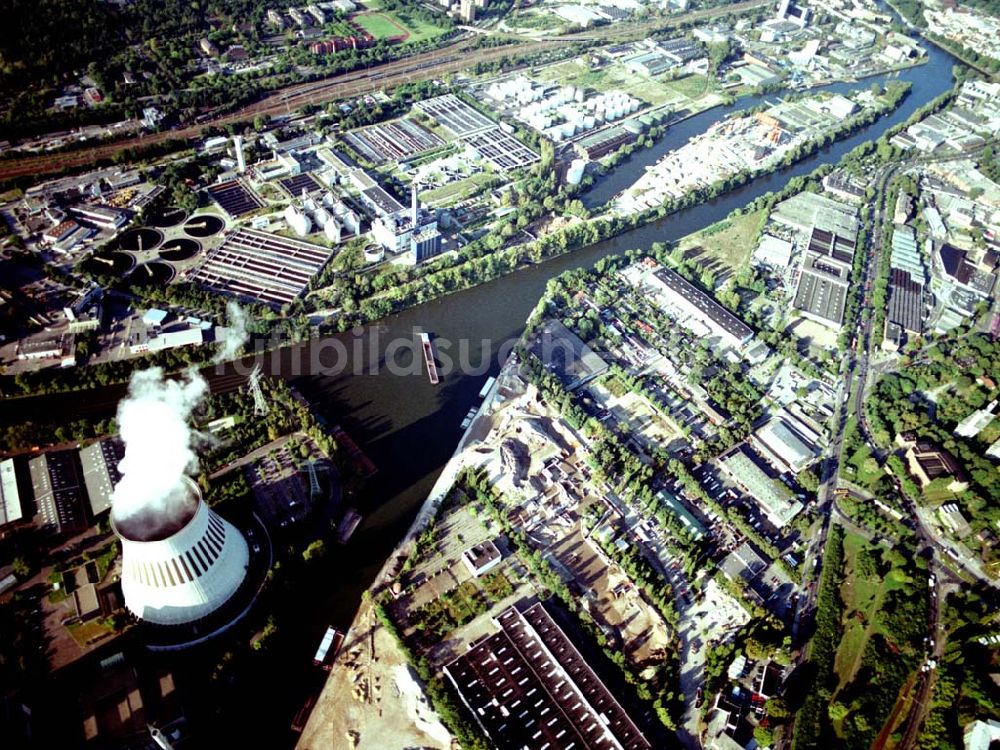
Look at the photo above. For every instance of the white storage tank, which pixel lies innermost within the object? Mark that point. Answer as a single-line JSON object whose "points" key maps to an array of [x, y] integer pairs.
{"points": [[575, 172]]}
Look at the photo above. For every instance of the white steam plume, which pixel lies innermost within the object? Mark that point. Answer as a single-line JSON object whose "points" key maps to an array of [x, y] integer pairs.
{"points": [[235, 333], [159, 452]]}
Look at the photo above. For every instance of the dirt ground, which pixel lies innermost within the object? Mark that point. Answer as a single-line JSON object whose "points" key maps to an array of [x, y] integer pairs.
{"points": [[815, 335], [638, 624], [372, 703]]}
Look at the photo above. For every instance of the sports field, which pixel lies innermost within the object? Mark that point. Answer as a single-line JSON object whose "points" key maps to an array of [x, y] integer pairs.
{"points": [[380, 26], [384, 24]]}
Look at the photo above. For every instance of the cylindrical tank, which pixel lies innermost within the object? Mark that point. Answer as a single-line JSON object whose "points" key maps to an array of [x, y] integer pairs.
{"points": [[182, 564], [575, 172]]}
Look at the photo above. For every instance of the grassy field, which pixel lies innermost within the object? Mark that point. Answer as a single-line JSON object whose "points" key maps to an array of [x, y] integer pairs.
{"points": [[85, 633], [730, 241], [692, 86], [455, 191], [380, 25], [612, 77], [863, 597]]}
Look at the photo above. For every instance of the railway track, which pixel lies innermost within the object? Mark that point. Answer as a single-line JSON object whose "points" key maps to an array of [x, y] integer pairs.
{"points": [[444, 60]]}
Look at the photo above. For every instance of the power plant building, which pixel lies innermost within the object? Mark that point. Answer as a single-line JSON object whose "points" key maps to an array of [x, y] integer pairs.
{"points": [[184, 571], [414, 231]]}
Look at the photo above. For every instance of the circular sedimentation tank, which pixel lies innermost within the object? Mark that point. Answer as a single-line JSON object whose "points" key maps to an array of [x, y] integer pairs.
{"points": [[109, 264], [179, 249], [204, 225], [143, 238], [153, 273], [164, 218]]}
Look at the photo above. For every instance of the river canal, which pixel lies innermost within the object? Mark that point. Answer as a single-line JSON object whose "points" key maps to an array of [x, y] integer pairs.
{"points": [[410, 428]]}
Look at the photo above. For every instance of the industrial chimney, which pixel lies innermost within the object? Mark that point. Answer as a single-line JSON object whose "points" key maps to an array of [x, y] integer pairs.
{"points": [[241, 161], [414, 205]]}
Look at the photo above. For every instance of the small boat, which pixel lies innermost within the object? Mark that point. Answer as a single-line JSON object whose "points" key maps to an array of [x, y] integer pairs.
{"points": [[469, 417], [302, 715]]}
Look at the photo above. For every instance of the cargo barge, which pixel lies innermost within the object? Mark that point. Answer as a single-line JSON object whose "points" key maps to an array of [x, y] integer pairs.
{"points": [[432, 370], [328, 648]]}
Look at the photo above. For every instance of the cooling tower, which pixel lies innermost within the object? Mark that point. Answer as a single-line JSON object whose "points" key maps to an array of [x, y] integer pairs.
{"points": [[178, 569]]}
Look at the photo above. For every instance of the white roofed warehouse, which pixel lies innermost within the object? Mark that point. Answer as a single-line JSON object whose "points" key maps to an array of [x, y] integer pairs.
{"points": [[783, 447]]}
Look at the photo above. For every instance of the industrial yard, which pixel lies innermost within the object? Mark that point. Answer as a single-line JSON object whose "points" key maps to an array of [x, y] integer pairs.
{"points": [[743, 146]]}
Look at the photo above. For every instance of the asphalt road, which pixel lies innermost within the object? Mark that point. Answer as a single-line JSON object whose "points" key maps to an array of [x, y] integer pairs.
{"points": [[862, 372]]}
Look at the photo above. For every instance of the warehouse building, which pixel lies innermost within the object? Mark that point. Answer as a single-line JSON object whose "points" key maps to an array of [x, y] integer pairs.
{"points": [[806, 211], [905, 307], [100, 472], [681, 50], [773, 251], [603, 142], [821, 294], [743, 563], [783, 448], [59, 492], [11, 509], [529, 688], [650, 64], [690, 303], [154, 341], [773, 497], [563, 352], [905, 254]]}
